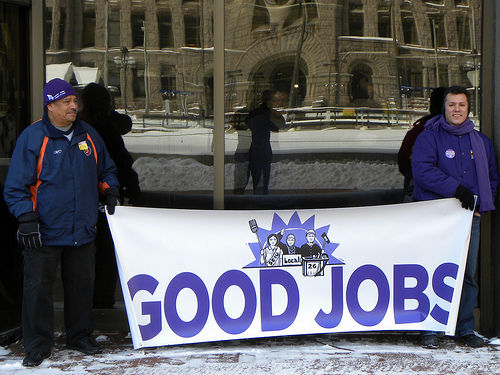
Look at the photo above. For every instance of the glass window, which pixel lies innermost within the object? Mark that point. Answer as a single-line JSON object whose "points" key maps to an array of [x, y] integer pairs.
{"points": [[192, 30], [137, 26], [342, 87], [409, 28], [328, 92], [138, 83], [88, 33], [114, 27], [384, 21], [463, 31], [168, 77], [260, 19], [114, 82], [192, 23], [356, 15], [61, 22], [412, 75], [14, 78], [438, 31], [165, 29]]}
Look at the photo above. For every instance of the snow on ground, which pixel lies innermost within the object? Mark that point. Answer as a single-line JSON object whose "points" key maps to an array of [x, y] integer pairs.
{"points": [[170, 166], [390, 353], [184, 174]]}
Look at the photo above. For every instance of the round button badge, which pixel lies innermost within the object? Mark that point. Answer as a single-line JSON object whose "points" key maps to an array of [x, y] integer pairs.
{"points": [[450, 154]]}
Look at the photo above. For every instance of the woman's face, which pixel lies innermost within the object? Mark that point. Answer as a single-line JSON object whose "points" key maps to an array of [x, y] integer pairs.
{"points": [[272, 241], [290, 239]]}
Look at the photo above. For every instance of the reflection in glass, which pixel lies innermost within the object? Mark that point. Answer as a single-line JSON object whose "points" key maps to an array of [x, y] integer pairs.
{"points": [[348, 77], [88, 33], [137, 20], [351, 78], [165, 29], [356, 15], [14, 110], [114, 27]]}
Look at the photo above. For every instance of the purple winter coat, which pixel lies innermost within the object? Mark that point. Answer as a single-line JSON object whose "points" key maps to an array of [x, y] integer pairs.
{"points": [[441, 161]]}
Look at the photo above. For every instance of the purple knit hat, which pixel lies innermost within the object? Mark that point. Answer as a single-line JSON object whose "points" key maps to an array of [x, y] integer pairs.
{"points": [[56, 89]]}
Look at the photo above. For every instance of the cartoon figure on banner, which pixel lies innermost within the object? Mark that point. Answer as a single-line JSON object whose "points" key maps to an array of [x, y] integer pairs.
{"points": [[315, 265], [310, 248], [309, 254], [271, 255], [288, 247]]}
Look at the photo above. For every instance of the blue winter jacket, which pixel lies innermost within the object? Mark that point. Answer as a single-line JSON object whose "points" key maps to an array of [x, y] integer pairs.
{"points": [[441, 161], [60, 180]]}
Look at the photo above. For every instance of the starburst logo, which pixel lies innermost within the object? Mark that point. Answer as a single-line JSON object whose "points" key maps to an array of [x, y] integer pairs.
{"points": [[295, 243]]}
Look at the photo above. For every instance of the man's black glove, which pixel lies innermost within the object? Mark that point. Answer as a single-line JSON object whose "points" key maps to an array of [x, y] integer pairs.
{"points": [[28, 233], [465, 196], [112, 196]]}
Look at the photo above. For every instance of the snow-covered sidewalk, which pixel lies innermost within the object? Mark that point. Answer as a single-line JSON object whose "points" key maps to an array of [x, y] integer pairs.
{"points": [[387, 353]]}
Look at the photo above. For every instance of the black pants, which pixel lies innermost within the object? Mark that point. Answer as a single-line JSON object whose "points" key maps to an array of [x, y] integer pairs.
{"points": [[40, 265], [106, 272], [258, 168]]}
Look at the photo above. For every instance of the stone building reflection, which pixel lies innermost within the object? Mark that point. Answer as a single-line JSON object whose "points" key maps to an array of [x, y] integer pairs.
{"points": [[355, 52]]}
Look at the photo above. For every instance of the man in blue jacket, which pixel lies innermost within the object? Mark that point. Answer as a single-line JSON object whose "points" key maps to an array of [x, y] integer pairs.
{"points": [[57, 171], [451, 159]]}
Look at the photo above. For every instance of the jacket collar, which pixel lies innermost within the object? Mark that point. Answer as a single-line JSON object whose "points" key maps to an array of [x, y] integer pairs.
{"points": [[52, 132]]}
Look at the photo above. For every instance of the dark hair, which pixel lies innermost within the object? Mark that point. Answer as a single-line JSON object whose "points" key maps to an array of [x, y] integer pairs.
{"points": [[456, 90], [272, 235], [96, 100], [436, 102], [266, 96]]}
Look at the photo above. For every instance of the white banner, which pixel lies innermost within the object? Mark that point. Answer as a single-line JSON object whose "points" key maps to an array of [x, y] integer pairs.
{"points": [[195, 276]]}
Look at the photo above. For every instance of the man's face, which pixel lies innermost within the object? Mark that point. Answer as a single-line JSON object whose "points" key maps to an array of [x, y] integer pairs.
{"points": [[456, 109], [290, 239], [62, 112], [310, 237]]}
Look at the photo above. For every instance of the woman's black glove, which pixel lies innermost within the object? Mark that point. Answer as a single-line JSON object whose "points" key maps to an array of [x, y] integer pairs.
{"points": [[465, 196], [28, 233], [112, 197]]}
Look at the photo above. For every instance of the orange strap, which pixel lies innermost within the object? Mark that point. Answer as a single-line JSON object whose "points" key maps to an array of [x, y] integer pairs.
{"points": [[39, 164], [93, 147], [34, 188]]}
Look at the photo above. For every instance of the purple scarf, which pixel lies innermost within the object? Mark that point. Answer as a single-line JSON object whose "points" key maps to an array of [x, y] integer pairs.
{"points": [[480, 158]]}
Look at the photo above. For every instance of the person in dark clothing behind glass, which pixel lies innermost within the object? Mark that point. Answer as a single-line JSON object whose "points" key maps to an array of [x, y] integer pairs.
{"points": [[404, 154], [111, 125], [262, 121]]}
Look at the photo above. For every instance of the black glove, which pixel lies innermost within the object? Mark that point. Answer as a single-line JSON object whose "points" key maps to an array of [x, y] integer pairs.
{"points": [[28, 233], [465, 196], [112, 196]]}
